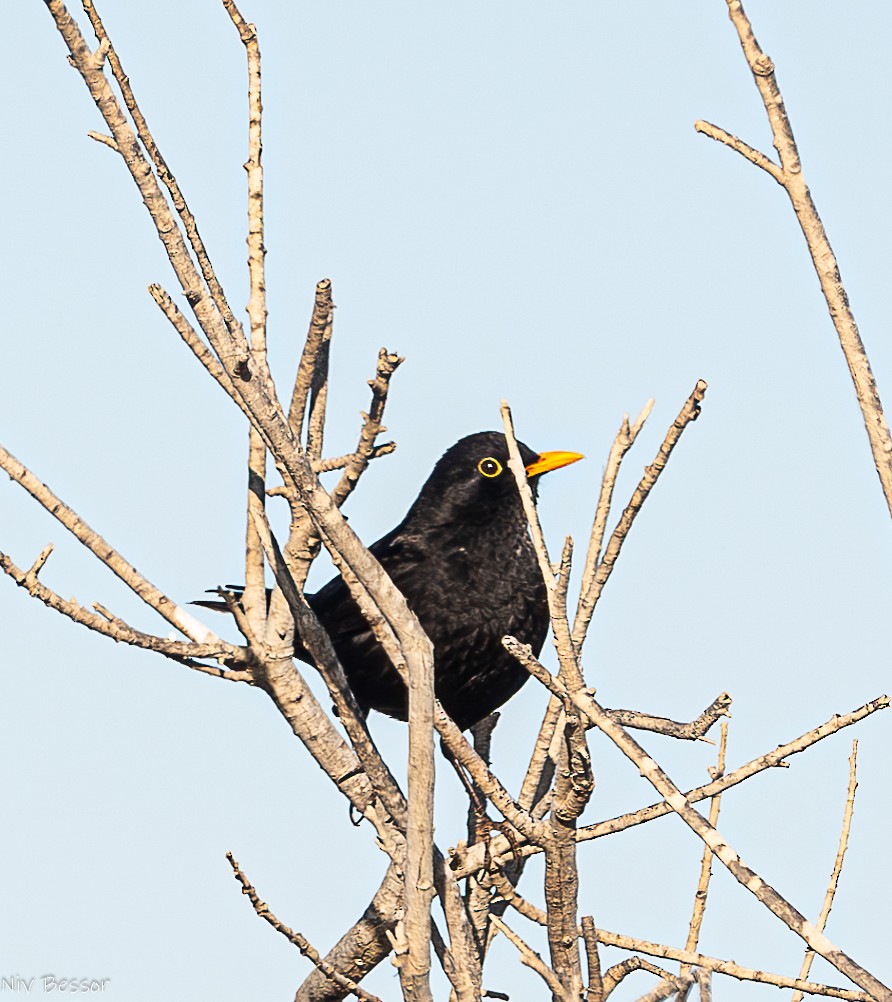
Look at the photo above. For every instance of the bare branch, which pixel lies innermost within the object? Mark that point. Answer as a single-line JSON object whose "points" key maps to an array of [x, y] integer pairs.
{"points": [[339, 462], [540, 771], [699, 909], [105, 140], [319, 644], [589, 598], [296, 938], [131, 577], [360, 949], [37, 566], [694, 730], [254, 596], [790, 175], [625, 439], [531, 959], [664, 990], [415, 973], [201, 351], [471, 860], [358, 461], [837, 864], [556, 607], [313, 368], [72, 36], [256, 250], [595, 991], [118, 630], [769, 760], [575, 783], [614, 975], [748, 878], [727, 967], [704, 984], [754, 156]]}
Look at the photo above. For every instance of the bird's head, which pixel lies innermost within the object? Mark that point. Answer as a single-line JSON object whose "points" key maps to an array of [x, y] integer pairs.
{"points": [[472, 481]]}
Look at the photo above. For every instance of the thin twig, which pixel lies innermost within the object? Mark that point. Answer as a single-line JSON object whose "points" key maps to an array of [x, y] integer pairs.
{"points": [[118, 630], [693, 730], [668, 987], [471, 860], [339, 462], [704, 983], [163, 171], [303, 944], [254, 597], [595, 992], [747, 877], [201, 351], [687, 957], [540, 771], [727, 967], [575, 782], [38, 564], [589, 598], [152, 596], [105, 140], [790, 175], [314, 356], [372, 426], [837, 864], [754, 156], [531, 959], [257, 311], [699, 909], [614, 975], [625, 439]]}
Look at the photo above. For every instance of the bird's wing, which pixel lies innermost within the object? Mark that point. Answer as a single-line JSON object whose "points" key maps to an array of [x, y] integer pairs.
{"points": [[403, 559]]}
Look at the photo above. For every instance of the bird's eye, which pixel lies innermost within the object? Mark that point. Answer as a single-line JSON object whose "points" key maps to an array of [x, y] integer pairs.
{"points": [[489, 467]]}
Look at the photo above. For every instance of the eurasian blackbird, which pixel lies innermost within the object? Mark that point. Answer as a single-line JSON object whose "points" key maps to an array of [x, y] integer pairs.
{"points": [[465, 562]]}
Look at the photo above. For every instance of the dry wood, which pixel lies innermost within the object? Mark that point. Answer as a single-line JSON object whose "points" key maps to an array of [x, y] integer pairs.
{"points": [[531, 959], [747, 877], [594, 586], [792, 178], [624, 440], [116, 629], [699, 909], [405, 832], [595, 991], [362, 947], [301, 942], [467, 861], [72, 35], [830, 893], [614, 975], [152, 596]]}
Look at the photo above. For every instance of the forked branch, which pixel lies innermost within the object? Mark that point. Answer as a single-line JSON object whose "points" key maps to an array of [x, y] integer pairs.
{"points": [[790, 176]]}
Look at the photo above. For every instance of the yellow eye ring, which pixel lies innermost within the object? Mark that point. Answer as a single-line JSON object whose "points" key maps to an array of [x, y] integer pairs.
{"points": [[489, 467]]}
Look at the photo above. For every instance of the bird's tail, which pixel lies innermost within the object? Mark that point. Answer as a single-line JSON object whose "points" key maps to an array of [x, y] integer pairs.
{"points": [[219, 604]]}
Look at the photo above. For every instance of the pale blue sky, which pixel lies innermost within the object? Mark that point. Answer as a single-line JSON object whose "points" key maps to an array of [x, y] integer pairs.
{"points": [[512, 196]]}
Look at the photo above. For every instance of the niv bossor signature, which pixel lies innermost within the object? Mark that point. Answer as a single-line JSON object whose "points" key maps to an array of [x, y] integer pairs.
{"points": [[51, 983]]}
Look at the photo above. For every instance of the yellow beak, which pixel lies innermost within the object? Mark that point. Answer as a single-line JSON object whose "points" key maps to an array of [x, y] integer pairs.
{"points": [[551, 461]]}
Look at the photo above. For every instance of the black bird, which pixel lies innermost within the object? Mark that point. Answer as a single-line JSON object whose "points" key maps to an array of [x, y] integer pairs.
{"points": [[465, 562]]}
